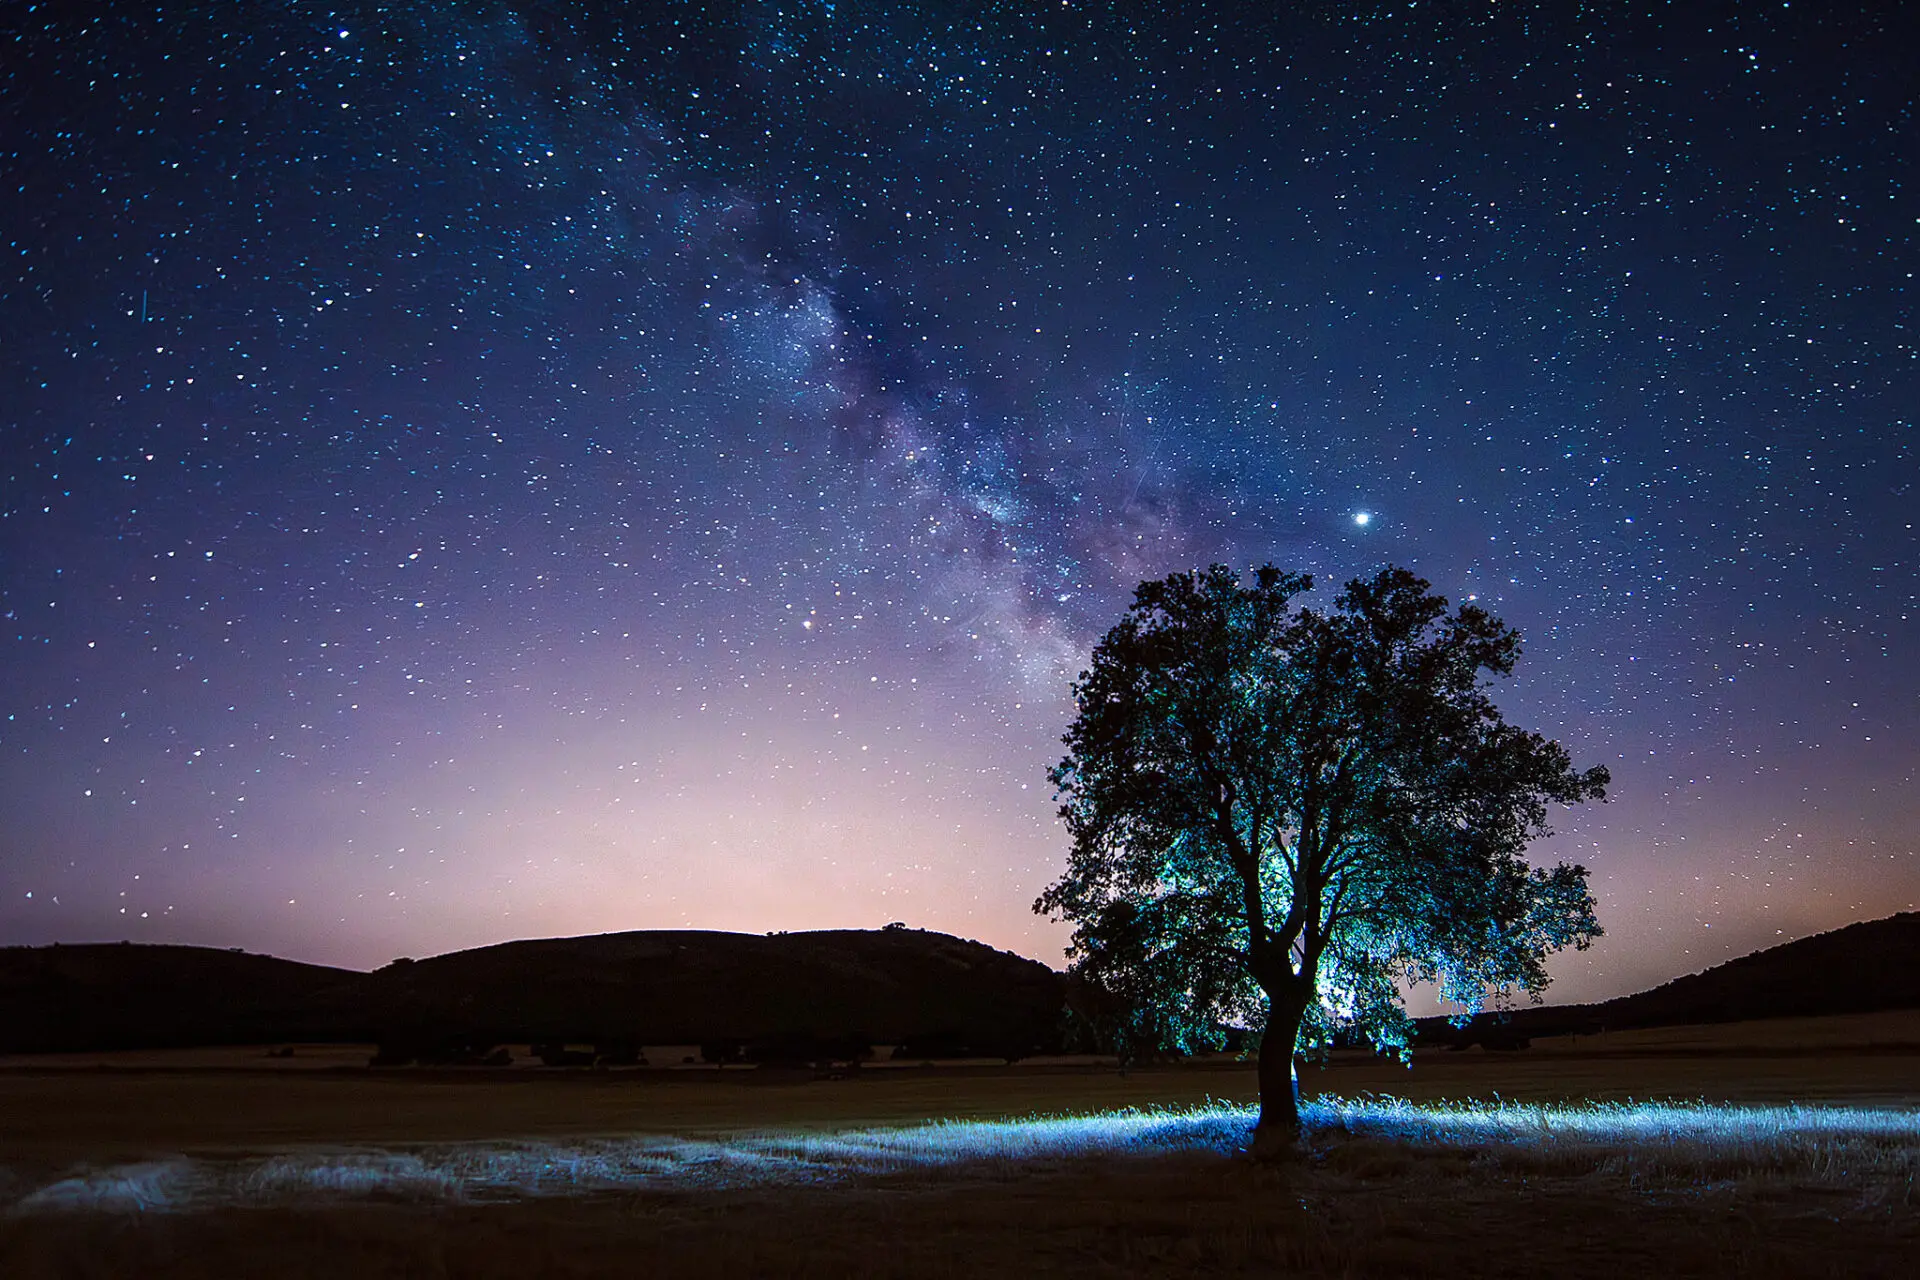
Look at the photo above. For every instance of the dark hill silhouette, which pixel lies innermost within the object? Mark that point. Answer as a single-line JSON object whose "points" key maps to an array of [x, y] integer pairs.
{"points": [[730, 989], [124, 996], [789, 994], [1861, 968]]}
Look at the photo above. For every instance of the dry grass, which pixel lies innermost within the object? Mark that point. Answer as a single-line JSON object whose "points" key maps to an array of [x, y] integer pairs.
{"points": [[434, 1174], [1696, 1064], [1895, 1030], [1651, 1141], [1356, 1203], [60, 1117]]}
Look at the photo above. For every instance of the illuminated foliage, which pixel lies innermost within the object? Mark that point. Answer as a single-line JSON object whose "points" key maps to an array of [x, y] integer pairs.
{"points": [[1281, 815]]}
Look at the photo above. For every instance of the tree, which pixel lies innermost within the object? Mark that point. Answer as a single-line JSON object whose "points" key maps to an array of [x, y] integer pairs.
{"points": [[1280, 816]]}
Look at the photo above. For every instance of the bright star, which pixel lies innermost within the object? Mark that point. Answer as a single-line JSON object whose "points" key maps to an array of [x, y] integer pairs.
{"points": [[1361, 517]]}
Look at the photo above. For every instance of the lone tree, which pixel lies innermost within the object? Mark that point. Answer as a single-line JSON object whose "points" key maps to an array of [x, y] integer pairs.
{"points": [[1279, 815]]}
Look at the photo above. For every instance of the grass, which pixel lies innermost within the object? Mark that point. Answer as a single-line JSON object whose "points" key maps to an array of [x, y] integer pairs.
{"points": [[1493, 1165], [1698, 1142], [469, 1172], [1650, 1140], [1379, 1187]]}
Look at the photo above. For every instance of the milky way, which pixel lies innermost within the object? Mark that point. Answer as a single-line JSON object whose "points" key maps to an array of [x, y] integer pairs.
{"points": [[472, 471]]}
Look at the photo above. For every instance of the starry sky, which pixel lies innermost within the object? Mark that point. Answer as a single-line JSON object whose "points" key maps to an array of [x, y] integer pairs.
{"points": [[488, 469]]}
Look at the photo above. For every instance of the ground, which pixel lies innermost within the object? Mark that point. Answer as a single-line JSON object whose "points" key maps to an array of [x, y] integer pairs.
{"points": [[755, 1174]]}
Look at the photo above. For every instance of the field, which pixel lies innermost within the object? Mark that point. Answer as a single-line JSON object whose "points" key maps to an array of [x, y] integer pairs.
{"points": [[1779, 1148]]}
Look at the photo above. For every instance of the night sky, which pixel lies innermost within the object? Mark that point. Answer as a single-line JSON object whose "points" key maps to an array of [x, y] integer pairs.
{"points": [[486, 470]]}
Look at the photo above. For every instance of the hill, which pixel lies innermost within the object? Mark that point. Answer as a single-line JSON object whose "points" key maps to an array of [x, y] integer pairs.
{"points": [[786, 993], [775, 996], [1861, 968], [746, 992], [125, 996]]}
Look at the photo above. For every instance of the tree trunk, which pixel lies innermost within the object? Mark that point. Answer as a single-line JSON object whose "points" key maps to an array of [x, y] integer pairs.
{"points": [[1279, 1125]]}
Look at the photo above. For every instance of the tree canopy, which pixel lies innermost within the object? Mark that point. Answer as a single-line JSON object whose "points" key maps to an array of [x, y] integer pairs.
{"points": [[1280, 815]]}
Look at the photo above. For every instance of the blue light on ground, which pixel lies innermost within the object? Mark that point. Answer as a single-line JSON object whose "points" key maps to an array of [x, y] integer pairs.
{"points": [[481, 1172]]}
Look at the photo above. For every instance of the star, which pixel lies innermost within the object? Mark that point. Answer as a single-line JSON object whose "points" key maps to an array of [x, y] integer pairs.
{"points": [[388, 489]]}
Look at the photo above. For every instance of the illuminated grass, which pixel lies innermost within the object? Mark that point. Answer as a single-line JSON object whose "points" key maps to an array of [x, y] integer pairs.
{"points": [[1667, 1140], [1662, 1140], [475, 1171]]}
